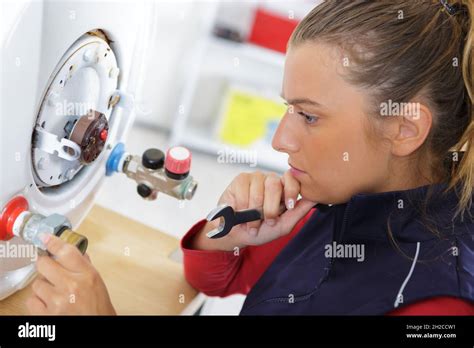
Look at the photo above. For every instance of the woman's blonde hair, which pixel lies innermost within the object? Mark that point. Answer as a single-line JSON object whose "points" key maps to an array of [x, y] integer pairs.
{"points": [[402, 49]]}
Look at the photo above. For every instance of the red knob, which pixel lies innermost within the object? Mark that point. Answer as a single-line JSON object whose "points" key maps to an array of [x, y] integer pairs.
{"points": [[103, 135], [9, 214], [178, 160]]}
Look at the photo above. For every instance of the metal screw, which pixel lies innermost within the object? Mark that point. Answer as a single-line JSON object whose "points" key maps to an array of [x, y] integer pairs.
{"points": [[69, 174]]}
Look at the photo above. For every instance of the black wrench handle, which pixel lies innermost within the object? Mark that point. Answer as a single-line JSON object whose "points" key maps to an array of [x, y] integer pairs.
{"points": [[249, 215]]}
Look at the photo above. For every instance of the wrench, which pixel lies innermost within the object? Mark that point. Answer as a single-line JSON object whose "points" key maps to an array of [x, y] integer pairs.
{"points": [[230, 218]]}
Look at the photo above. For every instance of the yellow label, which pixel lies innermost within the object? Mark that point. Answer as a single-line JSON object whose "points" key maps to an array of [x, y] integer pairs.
{"points": [[249, 118]]}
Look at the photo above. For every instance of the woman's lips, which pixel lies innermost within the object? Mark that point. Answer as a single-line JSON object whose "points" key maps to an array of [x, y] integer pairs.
{"points": [[295, 171]]}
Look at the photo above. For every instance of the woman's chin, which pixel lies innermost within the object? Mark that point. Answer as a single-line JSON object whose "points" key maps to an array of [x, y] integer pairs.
{"points": [[319, 196], [309, 195]]}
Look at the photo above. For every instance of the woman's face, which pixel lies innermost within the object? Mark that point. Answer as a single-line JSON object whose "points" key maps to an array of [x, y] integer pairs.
{"points": [[326, 129]]}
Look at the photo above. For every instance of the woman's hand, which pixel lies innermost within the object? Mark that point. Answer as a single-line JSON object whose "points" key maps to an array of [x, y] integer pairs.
{"points": [[255, 190], [67, 283]]}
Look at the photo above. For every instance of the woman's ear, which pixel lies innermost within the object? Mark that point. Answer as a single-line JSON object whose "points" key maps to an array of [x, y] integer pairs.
{"points": [[411, 130]]}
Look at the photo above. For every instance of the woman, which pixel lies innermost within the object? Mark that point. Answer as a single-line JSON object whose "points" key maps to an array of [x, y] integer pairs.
{"points": [[379, 98]]}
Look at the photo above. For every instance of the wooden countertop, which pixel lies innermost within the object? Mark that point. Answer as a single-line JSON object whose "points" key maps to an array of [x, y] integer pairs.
{"points": [[134, 261]]}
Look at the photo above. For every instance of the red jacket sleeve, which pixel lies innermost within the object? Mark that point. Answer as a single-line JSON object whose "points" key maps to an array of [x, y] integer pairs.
{"points": [[223, 273]]}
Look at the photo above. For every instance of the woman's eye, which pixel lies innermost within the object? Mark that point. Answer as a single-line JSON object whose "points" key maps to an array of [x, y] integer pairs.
{"points": [[309, 119]]}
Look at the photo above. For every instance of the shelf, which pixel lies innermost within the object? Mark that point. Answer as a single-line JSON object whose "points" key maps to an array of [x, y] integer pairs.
{"points": [[248, 50], [259, 67]]}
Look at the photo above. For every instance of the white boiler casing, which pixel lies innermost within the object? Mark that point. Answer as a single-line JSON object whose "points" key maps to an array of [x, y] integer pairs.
{"points": [[61, 55]]}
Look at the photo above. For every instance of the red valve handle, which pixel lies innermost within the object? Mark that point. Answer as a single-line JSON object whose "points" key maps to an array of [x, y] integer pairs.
{"points": [[9, 214], [178, 160]]}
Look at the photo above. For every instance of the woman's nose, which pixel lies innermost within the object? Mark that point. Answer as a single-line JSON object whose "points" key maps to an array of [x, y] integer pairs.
{"points": [[286, 137]]}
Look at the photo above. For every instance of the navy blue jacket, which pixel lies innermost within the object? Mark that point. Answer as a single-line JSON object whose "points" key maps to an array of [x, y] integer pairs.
{"points": [[346, 261]]}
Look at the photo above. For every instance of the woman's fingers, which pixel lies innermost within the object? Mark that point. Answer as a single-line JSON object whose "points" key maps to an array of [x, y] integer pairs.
{"points": [[51, 270], [267, 191], [272, 198], [36, 306], [68, 283], [65, 254], [256, 198], [240, 189], [291, 217], [44, 290], [88, 258], [291, 189]]}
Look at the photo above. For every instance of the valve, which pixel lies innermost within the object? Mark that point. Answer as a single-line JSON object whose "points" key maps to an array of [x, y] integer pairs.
{"points": [[16, 220], [144, 191], [178, 163], [154, 172], [153, 159]]}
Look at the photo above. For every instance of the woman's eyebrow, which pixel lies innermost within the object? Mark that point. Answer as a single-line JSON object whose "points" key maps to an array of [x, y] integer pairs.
{"points": [[296, 101]]}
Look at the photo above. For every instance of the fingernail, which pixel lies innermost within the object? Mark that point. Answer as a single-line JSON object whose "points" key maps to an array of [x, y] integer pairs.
{"points": [[253, 232], [291, 204], [44, 238], [271, 222]]}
